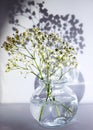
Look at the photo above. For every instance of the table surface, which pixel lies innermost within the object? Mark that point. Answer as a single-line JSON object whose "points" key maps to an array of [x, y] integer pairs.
{"points": [[18, 117]]}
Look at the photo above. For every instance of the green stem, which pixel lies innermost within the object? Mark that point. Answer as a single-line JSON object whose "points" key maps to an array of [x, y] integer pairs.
{"points": [[49, 96], [41, 111], [67, 109], [22, 52], [36, 75], [28, 52], [31, 58], [20, 67], [52, 99], [48, 92], [38, 69], [64, 73], [54, 72], [58, 111], [57, 108], [25, 55], [35, 62]]}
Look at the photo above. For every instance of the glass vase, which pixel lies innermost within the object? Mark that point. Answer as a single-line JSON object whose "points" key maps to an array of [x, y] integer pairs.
{"points": [[53, 104]]}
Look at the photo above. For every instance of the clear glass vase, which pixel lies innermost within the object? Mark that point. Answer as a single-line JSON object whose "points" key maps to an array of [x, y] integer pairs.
{"points": [[53, 104]]}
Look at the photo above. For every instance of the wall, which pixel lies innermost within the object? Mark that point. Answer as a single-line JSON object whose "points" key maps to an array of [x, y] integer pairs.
{"points": [[14, 88]]}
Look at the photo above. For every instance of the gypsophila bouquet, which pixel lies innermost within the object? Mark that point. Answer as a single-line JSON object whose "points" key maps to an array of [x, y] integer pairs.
{"points": [[39, 53]]}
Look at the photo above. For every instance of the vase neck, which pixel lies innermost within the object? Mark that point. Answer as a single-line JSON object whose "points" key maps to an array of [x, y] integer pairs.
{"points": [[52, 84]]}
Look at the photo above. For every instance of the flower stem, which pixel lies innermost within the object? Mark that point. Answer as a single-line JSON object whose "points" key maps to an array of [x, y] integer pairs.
{"points": [[34, 61], [52, 99], [41, 111], [58, 111], [67, 109], [62, 74]]}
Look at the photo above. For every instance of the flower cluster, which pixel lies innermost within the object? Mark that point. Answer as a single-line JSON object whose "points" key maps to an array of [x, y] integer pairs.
{"points": [[42, 54]]}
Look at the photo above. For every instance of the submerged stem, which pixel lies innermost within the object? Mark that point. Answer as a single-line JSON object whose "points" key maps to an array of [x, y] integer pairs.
{"points": [[52, 99], [67, 109], [41, 111], [58, 111]]}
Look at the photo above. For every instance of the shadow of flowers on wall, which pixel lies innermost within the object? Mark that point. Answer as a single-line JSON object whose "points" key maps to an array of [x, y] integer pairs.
{"points": [[67, 26]]}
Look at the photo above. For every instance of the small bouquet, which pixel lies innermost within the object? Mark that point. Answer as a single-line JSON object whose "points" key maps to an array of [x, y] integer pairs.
{"points": [[39, 53]]}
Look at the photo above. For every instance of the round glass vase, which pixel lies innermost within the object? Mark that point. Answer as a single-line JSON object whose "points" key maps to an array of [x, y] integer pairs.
{"points": [[53, 104]]}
